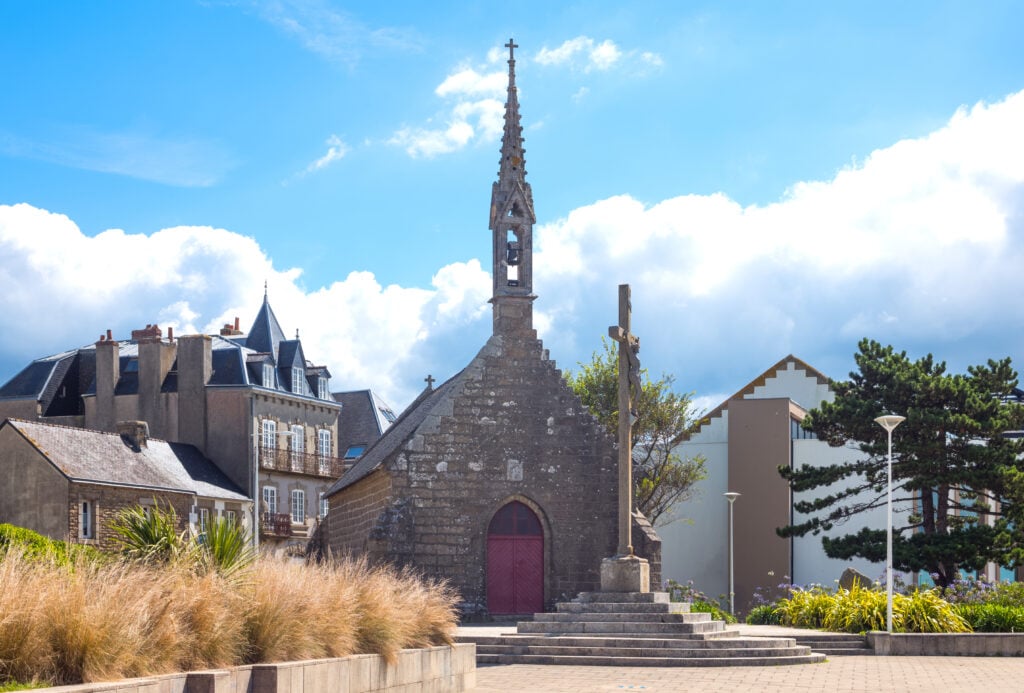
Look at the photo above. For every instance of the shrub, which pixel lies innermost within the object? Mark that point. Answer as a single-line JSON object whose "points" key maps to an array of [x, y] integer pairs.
{"points": [[764, 615], [856, 611], [150, 534], [992, 618], [699, 602], [805, 608], [717, 613], [33, 545]]}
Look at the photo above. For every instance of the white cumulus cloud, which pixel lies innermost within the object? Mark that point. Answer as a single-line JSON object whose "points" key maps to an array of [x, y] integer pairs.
{"points": [[587, 54], [474, 111]]}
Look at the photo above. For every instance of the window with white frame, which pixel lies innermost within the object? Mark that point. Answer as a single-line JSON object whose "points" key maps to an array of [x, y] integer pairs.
{"points": [[298, 446], [298, 506], [269, 439], [229, 515], [324, 507], [323, 449], [204, 519], [324, 391], [86, 517], [268, 375], [270, 499], [298, 381]]}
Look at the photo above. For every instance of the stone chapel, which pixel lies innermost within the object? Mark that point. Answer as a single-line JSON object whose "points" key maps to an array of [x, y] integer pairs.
{"points": [[497, 480]]}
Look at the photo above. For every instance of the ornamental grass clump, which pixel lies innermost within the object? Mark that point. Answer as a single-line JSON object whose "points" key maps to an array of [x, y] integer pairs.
{"points": [[156, 612]]}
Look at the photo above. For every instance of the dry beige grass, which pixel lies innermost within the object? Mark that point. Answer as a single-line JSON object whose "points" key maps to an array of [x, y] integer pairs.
{"points": [[104, 621]]}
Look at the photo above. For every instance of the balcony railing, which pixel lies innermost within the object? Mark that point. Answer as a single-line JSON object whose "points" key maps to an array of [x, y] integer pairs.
{"points": [[279, 525], [313, 464]]}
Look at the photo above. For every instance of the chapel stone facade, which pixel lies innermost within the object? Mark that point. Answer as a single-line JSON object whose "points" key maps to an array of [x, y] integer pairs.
{"points": [[498, 480]]}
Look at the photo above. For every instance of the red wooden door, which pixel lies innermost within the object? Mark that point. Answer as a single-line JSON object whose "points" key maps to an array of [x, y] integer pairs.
{"points": [[515, 561]]}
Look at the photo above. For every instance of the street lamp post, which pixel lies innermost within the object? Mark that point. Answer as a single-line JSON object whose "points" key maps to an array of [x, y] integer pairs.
{"points": [[889, 422], [731, 496]]}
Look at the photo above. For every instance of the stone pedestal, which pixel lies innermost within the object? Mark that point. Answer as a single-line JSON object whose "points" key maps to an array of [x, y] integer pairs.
{"points": [[625, 574]]}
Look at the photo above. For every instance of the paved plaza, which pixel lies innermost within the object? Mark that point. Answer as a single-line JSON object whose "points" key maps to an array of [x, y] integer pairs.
{"points": [[868, 673], [858, 673]]}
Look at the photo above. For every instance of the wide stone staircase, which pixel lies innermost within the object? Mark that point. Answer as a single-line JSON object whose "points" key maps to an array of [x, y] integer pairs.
{"points": [[835, 644], [634, 629]]}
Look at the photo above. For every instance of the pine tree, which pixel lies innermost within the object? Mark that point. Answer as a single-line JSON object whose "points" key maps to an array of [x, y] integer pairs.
{"points": [[951, 460]]}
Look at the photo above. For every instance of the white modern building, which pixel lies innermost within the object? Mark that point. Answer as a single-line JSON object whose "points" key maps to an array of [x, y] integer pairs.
{"points": [[745, 440]]}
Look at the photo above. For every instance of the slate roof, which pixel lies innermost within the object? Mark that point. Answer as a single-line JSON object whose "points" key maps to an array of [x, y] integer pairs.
{"points": [[266, 334], [95, 456], [362, 420], [404, 427]]}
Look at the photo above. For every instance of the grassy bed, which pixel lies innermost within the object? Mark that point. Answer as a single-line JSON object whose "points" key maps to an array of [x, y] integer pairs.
{"points": [[84, 620]]}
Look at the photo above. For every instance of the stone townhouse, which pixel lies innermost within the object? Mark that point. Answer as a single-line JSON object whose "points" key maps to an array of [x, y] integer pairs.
{"points": [[250, 402], [498, 480], [70, 483]]}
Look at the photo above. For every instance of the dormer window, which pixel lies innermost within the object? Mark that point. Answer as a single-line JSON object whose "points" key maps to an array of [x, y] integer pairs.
{"points": [[268, 375], [323, 391], [298, 378]]}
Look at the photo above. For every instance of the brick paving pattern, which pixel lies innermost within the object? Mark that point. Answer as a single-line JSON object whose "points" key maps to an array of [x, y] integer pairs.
{"points": [[841, 674]]}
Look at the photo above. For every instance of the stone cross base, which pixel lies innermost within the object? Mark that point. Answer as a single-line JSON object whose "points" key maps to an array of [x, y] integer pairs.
{"points": [[625, 574]]}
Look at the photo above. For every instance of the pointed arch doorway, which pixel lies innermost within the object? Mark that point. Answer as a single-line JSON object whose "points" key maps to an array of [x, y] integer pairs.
{"points": [[515, 561]]}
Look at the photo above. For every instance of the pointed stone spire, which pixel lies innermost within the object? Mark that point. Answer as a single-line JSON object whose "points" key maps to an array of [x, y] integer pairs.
{"points": [[512, 220]]}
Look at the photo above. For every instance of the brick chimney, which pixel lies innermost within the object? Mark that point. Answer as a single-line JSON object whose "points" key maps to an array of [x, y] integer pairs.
{"points": [[195, 366], [108, 371], [155, 360], [230, 330], [135, 434]]}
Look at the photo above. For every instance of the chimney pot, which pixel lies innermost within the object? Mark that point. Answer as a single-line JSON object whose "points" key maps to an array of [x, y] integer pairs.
{"points": [[236, 323], [109, 335], [134, 433], [170, 334]]}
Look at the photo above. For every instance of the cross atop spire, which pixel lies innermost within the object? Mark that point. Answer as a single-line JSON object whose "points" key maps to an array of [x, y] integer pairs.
{"points": [[511, 45]]}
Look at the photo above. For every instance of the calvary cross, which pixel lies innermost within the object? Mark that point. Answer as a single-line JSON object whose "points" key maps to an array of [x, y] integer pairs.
{"points": [[629, 394]]}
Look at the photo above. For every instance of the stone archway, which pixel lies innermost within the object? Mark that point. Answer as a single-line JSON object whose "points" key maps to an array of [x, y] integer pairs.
{"points": [[515, 561]]}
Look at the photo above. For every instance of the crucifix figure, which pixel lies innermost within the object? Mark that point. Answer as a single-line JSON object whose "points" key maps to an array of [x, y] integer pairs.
{"points": [[629, 395]]}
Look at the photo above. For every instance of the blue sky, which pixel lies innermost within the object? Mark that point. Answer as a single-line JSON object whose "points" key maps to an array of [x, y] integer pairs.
{"points": [[771, 178]]}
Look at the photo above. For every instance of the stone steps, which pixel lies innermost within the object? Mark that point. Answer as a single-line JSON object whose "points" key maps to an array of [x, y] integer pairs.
{"points": [[620, 617], [836, 645], [732, 661], [634, 629]]}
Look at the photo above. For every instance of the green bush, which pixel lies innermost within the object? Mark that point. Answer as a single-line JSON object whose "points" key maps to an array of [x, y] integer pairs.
{"points": [[764, 615], [992, 618], [703, 606], [859, 610], [34, 546]]}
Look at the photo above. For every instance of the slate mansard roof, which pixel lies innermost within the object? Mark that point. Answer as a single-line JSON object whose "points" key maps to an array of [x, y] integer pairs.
{"points": [[364, 418], [58, 382], [106, 458]]}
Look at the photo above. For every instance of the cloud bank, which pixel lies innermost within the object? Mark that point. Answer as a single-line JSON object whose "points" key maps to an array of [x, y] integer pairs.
{"points": [[919, 245]]}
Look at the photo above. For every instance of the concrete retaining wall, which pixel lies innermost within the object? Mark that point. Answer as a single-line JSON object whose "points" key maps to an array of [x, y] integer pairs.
{"points": [[431, 670], [948, 644]]}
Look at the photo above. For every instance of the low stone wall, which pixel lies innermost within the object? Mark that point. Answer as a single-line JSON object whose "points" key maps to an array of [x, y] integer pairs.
{"points": [[432, 670], [947, 644]]}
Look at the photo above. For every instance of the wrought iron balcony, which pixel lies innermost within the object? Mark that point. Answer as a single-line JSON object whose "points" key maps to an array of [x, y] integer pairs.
{"points": [[276, 524], [313, 464]]}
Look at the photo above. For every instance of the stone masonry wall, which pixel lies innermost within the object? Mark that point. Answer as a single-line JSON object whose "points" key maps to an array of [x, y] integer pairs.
{"points": [[107, 501], [355, 510], [514, 431]]}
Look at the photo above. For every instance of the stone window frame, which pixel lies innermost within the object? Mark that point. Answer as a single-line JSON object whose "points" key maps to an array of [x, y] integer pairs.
{"points": [[324, 447], [268, 433], [323, 507], [87, 511], [271, 498], [298, 501], [297, 445]]}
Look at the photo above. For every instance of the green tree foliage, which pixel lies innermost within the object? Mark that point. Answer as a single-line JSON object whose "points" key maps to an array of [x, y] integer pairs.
{"points": [[950, 460], [661, 478]]}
